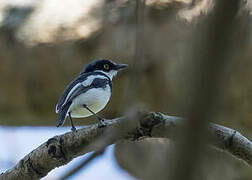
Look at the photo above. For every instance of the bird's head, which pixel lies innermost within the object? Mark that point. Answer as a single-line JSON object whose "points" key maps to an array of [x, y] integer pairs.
{"points": [[106, 66]]}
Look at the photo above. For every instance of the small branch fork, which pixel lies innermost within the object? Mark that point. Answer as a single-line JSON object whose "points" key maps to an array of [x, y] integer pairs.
{"points": [[60, 150]]}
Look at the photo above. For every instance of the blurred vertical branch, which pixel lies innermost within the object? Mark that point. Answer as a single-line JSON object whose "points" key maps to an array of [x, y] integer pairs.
{"points": [[138, 62], [207, 63]]}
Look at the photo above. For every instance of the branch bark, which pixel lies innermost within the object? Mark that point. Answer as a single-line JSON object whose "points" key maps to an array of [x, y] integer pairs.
{"points": [[60, 150]]}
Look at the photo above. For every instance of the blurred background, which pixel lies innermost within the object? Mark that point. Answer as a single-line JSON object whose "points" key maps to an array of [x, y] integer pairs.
{"points": [[44, 45]]}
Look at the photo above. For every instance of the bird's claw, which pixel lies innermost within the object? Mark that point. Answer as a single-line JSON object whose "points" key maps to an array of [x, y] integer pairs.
{"points": [[73, 129], [101, 123]]}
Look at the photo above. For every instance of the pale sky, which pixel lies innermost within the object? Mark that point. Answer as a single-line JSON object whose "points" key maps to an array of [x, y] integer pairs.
{"points": [[16, 142]]}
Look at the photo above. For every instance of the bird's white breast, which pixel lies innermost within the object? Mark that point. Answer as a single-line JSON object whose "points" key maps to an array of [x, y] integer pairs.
{"points": [[95, 98], [87, 82]]}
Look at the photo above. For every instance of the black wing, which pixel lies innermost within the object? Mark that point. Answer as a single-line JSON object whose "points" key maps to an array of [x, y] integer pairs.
{"points": [[64, 109], [70, 86], [79, 88]]}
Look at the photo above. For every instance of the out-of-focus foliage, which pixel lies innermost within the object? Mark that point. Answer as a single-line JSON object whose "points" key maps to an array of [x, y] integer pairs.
{"points": [[33, 77], [44, 45]]}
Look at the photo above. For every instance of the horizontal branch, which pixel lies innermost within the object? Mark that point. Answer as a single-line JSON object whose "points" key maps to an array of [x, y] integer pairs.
{"points": [[61, 149]]}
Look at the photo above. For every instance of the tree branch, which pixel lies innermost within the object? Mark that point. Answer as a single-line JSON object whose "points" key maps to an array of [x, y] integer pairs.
{"points": [[61, 149]]}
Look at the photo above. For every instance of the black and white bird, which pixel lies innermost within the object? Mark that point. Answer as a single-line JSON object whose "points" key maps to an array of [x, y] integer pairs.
{"points": [[88, 93]]}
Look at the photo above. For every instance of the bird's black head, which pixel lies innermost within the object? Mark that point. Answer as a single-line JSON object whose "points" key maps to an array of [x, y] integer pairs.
{"points": [[104, 65]]}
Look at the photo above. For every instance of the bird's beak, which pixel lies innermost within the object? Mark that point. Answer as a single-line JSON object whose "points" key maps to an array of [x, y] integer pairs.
{"points": [[121, 66]]}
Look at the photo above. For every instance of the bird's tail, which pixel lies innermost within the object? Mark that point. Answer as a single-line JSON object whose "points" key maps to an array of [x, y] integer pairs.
{"points": [[63, 114]]}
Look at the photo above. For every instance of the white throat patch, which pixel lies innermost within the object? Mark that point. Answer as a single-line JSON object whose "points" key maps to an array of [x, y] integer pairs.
{"points": [[110, 74]]}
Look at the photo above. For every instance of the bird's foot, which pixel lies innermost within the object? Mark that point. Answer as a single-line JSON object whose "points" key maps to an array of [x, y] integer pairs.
{"points": [[73, 129], [101, 123]]}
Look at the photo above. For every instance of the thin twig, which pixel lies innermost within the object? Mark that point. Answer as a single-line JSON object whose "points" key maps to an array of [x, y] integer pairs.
{"points": [[82, 164]]}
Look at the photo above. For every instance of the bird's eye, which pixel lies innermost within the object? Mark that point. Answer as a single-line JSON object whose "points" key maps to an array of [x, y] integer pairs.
{"points": [[106, 66]]}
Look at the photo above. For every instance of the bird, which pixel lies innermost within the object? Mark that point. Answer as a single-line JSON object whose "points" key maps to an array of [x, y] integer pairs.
{"points": [[89, 92]]}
